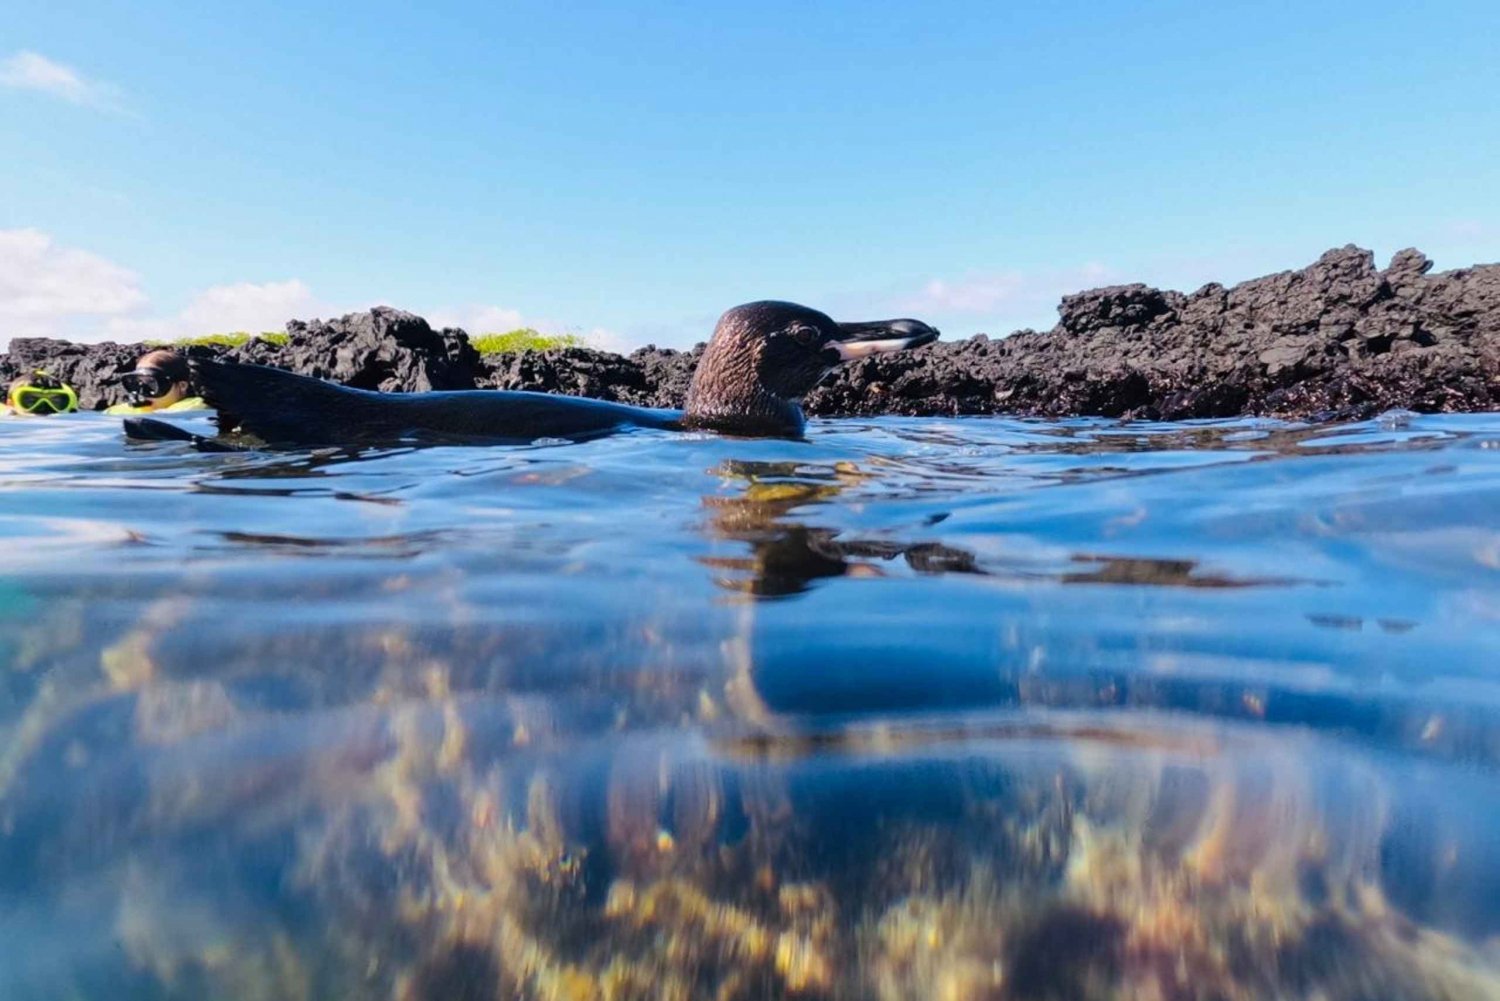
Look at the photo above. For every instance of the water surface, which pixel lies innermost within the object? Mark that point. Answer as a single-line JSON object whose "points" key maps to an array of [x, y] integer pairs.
{"points": [[973, 708]]}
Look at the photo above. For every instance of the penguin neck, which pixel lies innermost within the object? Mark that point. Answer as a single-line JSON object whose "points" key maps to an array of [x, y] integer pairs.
{"points": [[727, 395]]}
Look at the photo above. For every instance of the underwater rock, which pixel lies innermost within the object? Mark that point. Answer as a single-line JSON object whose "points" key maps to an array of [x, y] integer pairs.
{"points": [[1337, 339]]}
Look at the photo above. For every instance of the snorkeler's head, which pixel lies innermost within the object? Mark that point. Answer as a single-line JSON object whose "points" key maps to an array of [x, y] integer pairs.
{"points": [[40, 393], [160, 379]]}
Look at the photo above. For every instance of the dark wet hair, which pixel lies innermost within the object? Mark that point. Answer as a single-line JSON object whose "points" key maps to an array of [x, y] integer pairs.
{"points": [[167, 362]]}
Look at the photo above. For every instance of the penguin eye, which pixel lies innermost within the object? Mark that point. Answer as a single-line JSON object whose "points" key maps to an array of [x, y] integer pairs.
{"points": [[804, 336]]}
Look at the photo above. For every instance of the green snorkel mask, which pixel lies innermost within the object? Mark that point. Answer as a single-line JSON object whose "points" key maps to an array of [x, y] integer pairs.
{"points": [[42, 394]]}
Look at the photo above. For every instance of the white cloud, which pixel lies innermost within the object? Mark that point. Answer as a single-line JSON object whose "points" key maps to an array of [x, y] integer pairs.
{"points": [[248, 306], [477, 319], [48, 290], [32, 71], [604, 339], [44, 286], [996, 302], [220, 309], [980, 293], [969, 294]]}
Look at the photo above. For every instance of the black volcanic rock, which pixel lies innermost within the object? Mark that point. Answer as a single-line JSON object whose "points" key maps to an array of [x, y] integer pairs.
{"points": [[602, 375], [93, 370], [668, 374], [1339, 338], [383, 348]]}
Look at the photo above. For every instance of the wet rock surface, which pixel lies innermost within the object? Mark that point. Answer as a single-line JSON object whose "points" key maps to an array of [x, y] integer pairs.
{"points": [[1339, 338]]}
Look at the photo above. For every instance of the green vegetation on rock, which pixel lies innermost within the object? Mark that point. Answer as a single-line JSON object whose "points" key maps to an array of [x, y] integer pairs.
{"points": [[229, 340], [524, 339], [510, 342]]}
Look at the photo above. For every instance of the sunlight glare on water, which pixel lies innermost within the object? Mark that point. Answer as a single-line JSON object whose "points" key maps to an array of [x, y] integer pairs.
{"points": [[969, 708]]}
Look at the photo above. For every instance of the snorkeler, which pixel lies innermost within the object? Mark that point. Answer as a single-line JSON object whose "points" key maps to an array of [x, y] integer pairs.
{"points": [[159, 383], [40, 393]]}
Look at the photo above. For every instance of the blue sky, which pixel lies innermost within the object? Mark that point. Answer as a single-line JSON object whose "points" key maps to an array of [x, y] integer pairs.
{"points": [[628, 172]]}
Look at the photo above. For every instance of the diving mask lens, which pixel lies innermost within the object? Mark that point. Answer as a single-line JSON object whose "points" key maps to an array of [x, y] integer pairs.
{"points": [[146, 384], [40, 400]]}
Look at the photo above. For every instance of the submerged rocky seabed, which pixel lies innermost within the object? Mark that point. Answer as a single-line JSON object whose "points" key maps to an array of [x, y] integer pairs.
{"points": [[920, 709], [1338, 339], [473, 847]]}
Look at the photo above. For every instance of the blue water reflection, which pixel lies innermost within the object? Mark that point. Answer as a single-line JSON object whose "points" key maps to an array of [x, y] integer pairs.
{"points": [[913, 708]]}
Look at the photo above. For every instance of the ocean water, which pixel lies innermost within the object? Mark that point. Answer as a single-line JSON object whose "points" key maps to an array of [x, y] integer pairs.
{"points": [[971, 708]]}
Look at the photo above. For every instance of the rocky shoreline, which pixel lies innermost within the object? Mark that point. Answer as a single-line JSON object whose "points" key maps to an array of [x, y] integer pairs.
{"points": [[1339, 338]]}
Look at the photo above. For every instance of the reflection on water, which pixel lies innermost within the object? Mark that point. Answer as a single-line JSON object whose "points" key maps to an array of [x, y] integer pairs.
{"points": [[912, 709]]}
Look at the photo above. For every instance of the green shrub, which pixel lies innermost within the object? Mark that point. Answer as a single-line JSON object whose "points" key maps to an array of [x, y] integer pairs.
{"points": [[510, 342], [231, 340], [524, 339]]}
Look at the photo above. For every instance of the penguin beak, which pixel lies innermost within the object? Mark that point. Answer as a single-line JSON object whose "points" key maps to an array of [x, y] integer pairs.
{"points": [[861, 340]]}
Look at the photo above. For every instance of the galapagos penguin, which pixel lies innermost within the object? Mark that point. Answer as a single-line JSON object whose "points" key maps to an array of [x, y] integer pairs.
{"points": [[763, 357]]}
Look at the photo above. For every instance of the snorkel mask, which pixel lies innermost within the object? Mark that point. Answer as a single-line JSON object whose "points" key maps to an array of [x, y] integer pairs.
{"points": [[42, 394], [146, 384]]}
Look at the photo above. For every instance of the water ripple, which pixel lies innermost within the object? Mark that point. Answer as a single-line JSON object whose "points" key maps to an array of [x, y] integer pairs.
{"points": [[1200, 710]]}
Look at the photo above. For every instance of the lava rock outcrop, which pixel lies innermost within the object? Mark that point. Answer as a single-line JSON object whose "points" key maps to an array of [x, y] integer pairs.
{"points": [[1339, 338], [385, 349]]}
